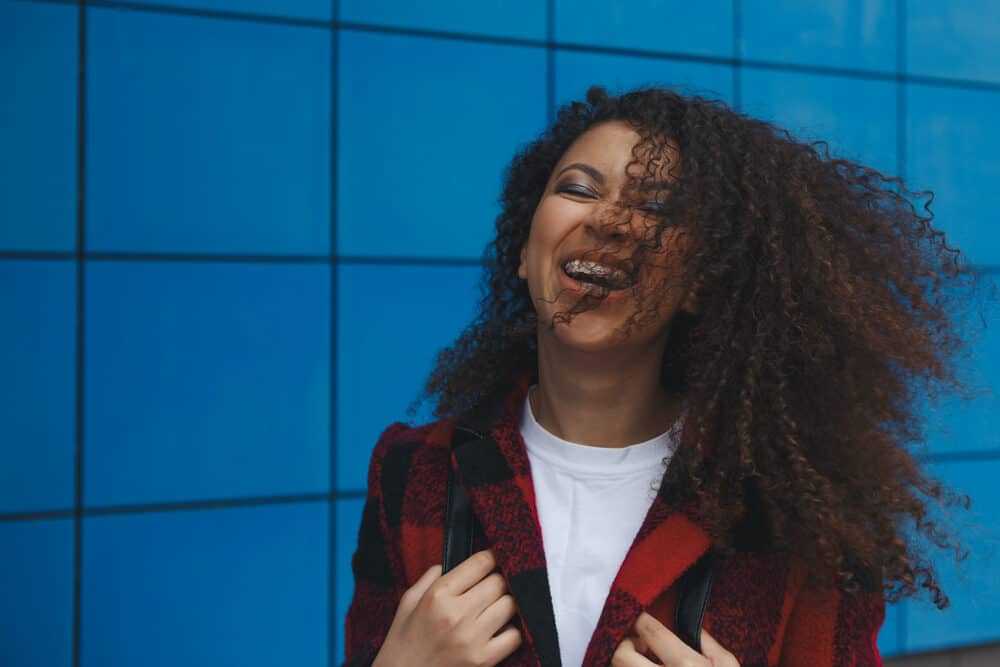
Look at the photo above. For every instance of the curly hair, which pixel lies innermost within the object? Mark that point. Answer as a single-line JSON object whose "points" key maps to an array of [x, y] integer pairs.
{"points": [[826, 312]]}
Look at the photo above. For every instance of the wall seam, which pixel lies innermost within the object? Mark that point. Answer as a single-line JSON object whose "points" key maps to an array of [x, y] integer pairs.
{"points": [[335, 633], [81, 102]]}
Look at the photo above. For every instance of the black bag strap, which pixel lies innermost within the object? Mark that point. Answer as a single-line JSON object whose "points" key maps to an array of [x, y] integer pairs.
{"points": [[692, 599], [460, 523], [461, 528]]}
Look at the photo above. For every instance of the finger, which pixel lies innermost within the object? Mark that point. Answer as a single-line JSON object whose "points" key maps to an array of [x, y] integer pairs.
{"points": [[420, 586], [665, 644], [714, 651], [496, 615], [643, 648], [469, 572], [505, 643], [627, 655], [484, 593]]}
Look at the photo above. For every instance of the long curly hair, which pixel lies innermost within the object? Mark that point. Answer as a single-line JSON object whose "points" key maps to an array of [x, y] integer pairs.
{"points": [[827, 312]]}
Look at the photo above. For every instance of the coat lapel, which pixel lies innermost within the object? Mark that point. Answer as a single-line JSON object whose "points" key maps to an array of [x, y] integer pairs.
{"points": [[497, 477], [667, 544]]}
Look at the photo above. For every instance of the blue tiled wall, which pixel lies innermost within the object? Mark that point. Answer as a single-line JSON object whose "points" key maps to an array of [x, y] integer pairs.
{"points": [[202, 325]]}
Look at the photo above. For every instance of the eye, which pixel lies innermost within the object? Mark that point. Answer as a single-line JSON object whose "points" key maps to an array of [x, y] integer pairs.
{"points": [[578, 190]]}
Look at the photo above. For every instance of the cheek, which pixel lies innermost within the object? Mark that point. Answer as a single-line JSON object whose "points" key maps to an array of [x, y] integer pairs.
{"points": [[554, 218]]}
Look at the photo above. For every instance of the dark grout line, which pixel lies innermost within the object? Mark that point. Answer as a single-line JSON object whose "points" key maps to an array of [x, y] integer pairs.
{"points": [[983, 456], [38, 254], [37, 515], [901, 126], [183, 506], [81, 241], [944, 82], [195, 258], [334, 634], [236, 259], [27, 255], [449, 35], [208, 257], [550, 62], [737, 55], [195, 505], [73, 3], [736, 62], [212, 13]]}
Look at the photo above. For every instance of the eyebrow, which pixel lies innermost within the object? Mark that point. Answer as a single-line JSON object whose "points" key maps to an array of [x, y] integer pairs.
{"points": [[599, 177]]}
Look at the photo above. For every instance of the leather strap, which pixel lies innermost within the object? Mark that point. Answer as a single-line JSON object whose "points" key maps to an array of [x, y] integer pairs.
{"points": [[461, 526], [460, 522], [692, 598]]}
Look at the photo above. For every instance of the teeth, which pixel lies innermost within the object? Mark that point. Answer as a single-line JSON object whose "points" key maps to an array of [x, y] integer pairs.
{"points": [[580, 266]]}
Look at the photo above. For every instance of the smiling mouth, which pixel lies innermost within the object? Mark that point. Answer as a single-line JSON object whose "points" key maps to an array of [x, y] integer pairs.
{"points": [[592, 276]]}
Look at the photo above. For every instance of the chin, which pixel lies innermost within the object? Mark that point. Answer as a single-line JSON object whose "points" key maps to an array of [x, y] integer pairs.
{"points": [[588, 336]]}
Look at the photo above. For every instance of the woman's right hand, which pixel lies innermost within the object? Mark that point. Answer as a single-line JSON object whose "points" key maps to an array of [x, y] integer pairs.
{"points": [[451, 620]]}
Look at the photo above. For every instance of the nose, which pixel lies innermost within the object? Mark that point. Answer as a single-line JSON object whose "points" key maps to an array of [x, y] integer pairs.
{"points": [[606, 225]]}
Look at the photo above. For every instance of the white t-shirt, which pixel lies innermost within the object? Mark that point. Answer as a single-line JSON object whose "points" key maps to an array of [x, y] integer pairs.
{"points": [[591, 502]]}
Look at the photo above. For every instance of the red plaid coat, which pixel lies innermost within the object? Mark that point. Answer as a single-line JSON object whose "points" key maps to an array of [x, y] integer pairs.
{"points": [[758, 608]]}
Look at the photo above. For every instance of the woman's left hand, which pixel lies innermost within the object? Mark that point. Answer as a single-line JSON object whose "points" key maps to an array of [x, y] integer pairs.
{"points": [[668, 648]]}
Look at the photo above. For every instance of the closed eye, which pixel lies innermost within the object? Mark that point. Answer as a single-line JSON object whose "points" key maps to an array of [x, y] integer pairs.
{"points": [[578, 190]]}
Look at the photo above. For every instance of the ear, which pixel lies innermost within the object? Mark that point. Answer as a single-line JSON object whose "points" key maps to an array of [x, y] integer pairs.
{"points": [[522, 269]]}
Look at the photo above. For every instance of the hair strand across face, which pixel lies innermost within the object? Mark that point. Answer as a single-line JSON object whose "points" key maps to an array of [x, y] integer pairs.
{"points": [[828, 311]]}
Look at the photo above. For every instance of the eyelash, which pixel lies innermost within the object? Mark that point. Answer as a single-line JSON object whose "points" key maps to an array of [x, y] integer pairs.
{"points": [[583, 192], [578, 191]]}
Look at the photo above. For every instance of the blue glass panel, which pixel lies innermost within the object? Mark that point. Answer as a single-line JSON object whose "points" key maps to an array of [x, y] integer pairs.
{"points": [[38, 126], [505, 18], [958, 39], [36, 606], [307, 9], [575, 71], [857, 33], [957, 425], [348, 525], [243, 586], [813, 107], [953, 148], [37, 385], [393, 320], [206, 380], [974, 589], [206, 135], [888, 636], [673, 26], [426, 128]]}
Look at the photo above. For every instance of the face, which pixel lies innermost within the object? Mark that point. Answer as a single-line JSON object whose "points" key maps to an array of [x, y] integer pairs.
{"points": [[584, 189]]}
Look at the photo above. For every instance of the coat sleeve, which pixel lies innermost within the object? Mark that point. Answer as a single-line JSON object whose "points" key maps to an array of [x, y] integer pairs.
{"points": [[833, 628], [376, 566]]}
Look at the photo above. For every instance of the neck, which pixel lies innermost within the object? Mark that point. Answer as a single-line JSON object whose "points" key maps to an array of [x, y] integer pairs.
{"points": [[600, 399]]}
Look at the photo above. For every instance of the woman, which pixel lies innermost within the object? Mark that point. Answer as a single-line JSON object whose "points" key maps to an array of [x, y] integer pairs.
{"points": [[698, 335]]}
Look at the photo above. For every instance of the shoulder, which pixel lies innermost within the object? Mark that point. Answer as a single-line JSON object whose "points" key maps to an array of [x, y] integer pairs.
{"points": [[399, 439], [407, 483], [405, 450]]}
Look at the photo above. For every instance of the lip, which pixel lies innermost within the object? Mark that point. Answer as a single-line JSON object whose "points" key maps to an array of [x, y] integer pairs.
{"points": [[576, 288]]}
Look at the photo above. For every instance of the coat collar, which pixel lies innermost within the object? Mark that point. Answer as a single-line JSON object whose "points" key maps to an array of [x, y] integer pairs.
{"points": [[497, 475]]}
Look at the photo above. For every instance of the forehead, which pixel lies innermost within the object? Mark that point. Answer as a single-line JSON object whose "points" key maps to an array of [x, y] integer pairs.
{"points": [[608, 147]]}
